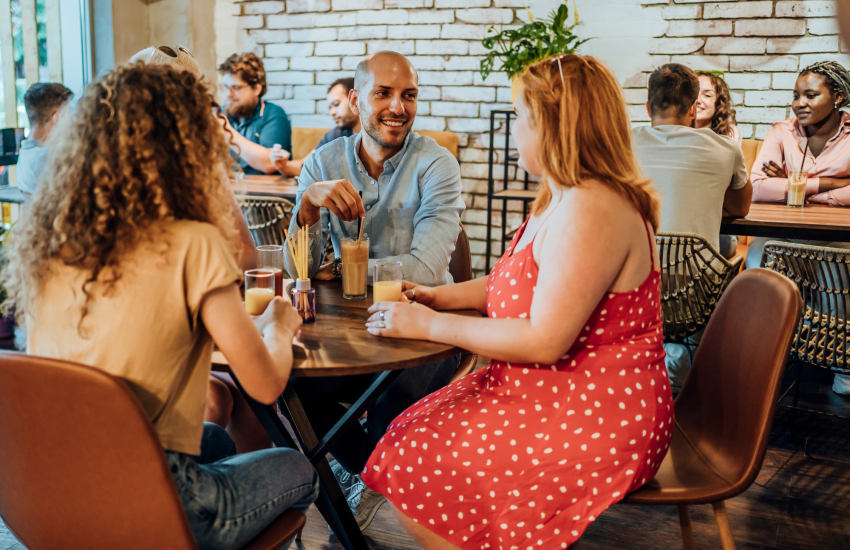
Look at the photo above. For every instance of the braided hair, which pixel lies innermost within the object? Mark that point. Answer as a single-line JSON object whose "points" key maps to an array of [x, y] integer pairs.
{"points": [[839, 78]]}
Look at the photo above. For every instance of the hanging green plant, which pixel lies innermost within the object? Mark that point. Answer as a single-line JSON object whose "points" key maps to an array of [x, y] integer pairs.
{"points": [[535, 41]]}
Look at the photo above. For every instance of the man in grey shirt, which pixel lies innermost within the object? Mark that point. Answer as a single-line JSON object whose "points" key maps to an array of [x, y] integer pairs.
{"points": [[410, 209], [44, 102], [700, 175]]}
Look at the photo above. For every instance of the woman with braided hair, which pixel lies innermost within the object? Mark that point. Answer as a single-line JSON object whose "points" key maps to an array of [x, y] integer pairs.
{"points": [[823, 131]]}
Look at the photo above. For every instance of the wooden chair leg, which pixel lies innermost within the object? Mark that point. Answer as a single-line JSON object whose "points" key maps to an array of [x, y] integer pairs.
{"points": [[685, 524], [723, 524], [298, 534]]}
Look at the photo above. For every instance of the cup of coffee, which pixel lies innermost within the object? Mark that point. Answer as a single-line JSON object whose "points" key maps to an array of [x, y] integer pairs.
{"points": [[797, 188], [355, 268]]}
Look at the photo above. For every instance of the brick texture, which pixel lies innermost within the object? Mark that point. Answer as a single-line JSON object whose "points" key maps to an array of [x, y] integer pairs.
{"points": [[307, 44]]}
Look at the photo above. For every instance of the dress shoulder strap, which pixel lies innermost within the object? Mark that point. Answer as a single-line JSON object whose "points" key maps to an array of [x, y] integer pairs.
{"points": [[649, 239]]}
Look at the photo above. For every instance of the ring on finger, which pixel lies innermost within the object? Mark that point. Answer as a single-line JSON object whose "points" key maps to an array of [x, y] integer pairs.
{"points": [[381, 324], [413, 296], [381, 315]]}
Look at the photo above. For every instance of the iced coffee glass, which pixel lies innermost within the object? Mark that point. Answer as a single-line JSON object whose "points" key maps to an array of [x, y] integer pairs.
{"points": [[797, 188], [355, 268]]}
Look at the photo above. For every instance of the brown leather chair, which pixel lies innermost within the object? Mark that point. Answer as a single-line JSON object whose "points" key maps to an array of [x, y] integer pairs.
{"points": [[460, 266], [723, 414], [82, 466]]}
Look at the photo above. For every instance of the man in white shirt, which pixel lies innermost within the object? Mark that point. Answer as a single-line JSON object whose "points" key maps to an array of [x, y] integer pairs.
{"points": [[700, 175], [44, 102]]}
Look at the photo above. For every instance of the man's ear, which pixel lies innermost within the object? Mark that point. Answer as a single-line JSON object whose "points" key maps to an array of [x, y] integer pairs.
{"points": [[692, 114], [648, 110], [353, 97]]}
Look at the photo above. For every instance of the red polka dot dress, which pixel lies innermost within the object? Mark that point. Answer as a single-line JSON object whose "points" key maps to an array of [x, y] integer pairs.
{"points": [[526, 456]]}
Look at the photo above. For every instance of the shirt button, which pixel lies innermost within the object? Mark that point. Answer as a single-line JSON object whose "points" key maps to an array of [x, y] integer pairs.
{"points": [[369, 207]]}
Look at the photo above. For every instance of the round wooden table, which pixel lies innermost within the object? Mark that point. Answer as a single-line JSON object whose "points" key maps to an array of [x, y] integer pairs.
{"points": [[337, 344]]}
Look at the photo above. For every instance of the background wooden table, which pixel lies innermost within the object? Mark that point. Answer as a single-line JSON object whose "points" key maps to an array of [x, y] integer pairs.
{"points": [[812, 221], [270, 186]]}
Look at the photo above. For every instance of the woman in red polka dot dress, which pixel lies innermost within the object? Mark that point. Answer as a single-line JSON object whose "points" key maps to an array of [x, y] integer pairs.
{"points": [[575, 411]]}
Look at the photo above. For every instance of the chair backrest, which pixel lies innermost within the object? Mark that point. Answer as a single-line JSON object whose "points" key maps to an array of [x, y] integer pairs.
{"points": [[693, 277], [304, 140], [751, 148], [81, 464], [267, 217], [823, 277], [727, 402], [460, 264]]}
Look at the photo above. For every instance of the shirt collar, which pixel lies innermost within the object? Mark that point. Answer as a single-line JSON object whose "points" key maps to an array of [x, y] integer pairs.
{"points": [[797, 128], [391, 164]]}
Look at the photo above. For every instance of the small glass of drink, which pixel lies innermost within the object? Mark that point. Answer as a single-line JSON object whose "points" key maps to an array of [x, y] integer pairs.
{"points": [[355, 268], [386, 284], [271, 257], [797, 188], [259, 290]]}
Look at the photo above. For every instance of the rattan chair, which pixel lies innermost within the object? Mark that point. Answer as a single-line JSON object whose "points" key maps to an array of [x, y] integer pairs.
{"points": [[267, 217], [693, 277], [823, 276]]}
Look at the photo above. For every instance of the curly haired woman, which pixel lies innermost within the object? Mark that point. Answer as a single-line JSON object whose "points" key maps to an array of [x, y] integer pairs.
{"points": [[575, 411], [714, 106], [125, 263]]}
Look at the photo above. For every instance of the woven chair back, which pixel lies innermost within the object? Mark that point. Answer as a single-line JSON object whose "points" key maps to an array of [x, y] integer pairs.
{"points": [[267, 217], [693, 277], [823, 276]]}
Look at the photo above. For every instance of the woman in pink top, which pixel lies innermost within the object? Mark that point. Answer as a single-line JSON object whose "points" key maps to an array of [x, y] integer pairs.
{"points": [[823, 131]]}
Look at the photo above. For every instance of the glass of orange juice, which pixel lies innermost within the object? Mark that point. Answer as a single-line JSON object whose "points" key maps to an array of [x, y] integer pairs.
{"points": [[386, 283], [271, 257], [259, 290]]}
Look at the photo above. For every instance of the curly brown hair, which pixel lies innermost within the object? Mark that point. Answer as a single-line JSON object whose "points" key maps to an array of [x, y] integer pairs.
{"points": [[144, 146], [248, 66], [724, 113]]}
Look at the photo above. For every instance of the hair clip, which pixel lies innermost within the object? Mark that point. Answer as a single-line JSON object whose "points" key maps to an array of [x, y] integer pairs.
{"points": [[167, 50], [186, 51]]}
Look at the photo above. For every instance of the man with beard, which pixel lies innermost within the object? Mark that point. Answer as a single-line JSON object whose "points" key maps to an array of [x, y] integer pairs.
{"points": [[410, 209], [347, 123], [255, 125]]}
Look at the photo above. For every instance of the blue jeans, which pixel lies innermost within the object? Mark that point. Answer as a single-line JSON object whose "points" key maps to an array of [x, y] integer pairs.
{"points": [[230, 499], [321, 398]]}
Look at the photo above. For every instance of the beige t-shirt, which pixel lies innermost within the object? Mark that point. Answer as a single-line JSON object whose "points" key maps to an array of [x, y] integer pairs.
{"points": [[691, 169], [147, 329]]}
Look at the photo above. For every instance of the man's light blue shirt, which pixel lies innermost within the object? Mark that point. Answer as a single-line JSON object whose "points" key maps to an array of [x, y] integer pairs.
{"points": [[412, 211]]}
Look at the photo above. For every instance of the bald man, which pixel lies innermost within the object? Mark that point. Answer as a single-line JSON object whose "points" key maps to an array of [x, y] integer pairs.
{"points": [[411, 209]]}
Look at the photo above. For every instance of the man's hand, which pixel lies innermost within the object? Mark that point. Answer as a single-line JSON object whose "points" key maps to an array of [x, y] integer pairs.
{"points": [[325, 273], [773, 170], [338, 196], [279, 157]]}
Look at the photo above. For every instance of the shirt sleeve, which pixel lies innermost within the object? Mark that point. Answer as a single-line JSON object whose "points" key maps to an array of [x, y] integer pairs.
{"points": [[310, 173], [209, 265], [740, 177], [276, 129], [436, 224]]}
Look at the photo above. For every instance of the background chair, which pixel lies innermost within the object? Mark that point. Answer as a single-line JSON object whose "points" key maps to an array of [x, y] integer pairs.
{"points": [[460, 267], [823, 276], [693, 277], [723, 414], [83, 468], [267, 217]]}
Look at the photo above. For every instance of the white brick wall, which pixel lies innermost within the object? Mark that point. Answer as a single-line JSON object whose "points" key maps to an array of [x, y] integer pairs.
{"points": [[306, 44]]}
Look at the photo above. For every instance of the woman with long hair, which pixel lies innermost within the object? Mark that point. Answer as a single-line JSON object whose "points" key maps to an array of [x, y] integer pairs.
{"points": [[125, 262], [714, 106], [575, 411]]}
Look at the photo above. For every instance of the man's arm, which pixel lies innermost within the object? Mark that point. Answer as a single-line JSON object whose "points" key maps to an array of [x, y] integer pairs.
{"points": [[436, 225], [317, 229], [739, 195]]}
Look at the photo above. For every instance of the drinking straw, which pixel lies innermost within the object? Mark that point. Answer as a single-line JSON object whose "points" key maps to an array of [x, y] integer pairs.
{"points": [[292, 252], [804, 156], [360, 222]]}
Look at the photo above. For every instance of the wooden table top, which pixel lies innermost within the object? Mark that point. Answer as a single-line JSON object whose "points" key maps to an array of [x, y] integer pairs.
{"points": [[337, 343], [812, 221], [270, 185]]}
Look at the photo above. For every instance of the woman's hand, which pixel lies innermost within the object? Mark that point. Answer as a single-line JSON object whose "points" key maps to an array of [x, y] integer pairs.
{"points": [[401, 320], [278, 316], [417, 293], [773, 170]]}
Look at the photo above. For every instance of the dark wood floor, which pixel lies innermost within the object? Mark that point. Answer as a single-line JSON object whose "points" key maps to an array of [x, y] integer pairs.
{"points": [[801, 499]]}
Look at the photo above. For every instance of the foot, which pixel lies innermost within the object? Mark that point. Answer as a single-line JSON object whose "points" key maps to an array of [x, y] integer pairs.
{"points": [[364, 504], [346, 479]]}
